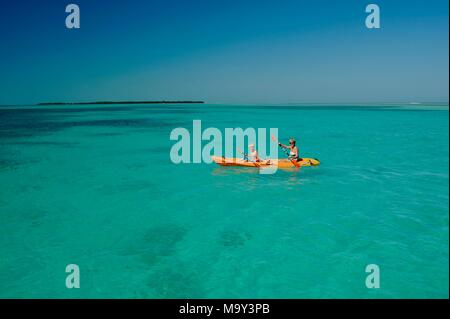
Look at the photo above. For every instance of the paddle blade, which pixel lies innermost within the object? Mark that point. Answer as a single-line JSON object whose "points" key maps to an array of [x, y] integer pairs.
{"points": [[296, 164]]}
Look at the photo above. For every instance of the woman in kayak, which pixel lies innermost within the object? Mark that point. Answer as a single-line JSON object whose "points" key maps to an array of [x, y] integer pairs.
{"points": [[293, 149]]}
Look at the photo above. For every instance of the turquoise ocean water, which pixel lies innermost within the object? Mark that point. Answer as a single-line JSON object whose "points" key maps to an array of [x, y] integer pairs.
{"points": [[94, 186]]}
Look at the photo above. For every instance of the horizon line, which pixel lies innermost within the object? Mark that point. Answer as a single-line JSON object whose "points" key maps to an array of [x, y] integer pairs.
{"points": [[219, 102]]}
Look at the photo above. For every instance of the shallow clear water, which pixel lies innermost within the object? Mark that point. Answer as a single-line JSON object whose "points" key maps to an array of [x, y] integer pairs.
{"points": [[94, 186]]}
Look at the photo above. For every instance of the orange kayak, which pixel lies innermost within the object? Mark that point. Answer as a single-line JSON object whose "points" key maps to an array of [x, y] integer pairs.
{"points": [[280, 163]]}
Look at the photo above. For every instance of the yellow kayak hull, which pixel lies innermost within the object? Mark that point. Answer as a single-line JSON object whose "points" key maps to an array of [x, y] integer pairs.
{"points": [[280, 163]]}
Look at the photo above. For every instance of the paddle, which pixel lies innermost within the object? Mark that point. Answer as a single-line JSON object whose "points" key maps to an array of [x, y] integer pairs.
{"points": [[294, 162], [245, 155]]}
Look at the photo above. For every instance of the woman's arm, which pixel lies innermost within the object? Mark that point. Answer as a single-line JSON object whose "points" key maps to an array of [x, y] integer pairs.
{"points": [[284, 146]]}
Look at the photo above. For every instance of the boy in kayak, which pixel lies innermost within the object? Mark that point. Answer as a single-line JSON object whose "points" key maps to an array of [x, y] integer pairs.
{"points": [[293, 150], [253, 156]]}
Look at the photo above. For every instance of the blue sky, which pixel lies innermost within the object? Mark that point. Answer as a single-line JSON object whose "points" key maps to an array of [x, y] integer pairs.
{"points": [[224, 51]]}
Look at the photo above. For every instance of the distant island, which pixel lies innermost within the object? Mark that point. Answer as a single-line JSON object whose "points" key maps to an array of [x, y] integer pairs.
{"points": [[122, 102]]}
